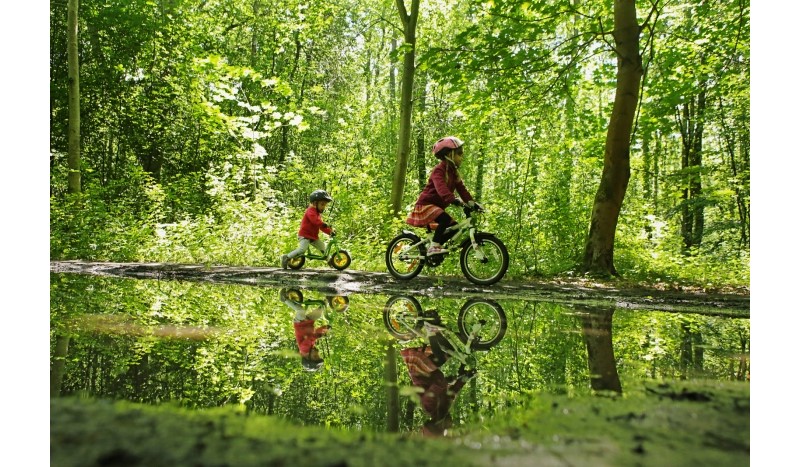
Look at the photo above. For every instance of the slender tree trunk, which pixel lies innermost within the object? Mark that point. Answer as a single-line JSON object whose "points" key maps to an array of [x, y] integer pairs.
{"points": [[687, 134], [696, 185], [74, 99], [59, 365], [392, 391], [392, 111], [599, 252], [692, 209], [422, 151], [479, 156], [409, 21], [731, 136]]}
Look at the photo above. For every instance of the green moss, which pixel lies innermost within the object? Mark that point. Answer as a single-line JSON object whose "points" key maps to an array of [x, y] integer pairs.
{"points": [[669, 423]]}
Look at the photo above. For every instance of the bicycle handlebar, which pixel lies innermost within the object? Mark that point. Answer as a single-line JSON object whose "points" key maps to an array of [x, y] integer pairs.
{"points": [[469, 210]]}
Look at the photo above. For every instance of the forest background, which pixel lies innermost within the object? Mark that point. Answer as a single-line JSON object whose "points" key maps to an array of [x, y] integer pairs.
{"points": [[536, 138], [204, 125]]}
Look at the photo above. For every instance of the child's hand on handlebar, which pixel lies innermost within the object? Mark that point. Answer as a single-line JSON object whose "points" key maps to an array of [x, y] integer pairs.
{"points": [[475, 206]]}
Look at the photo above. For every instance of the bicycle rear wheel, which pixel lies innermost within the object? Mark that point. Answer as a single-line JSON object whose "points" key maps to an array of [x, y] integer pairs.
{"points": [[399, 313], [402, 260]]}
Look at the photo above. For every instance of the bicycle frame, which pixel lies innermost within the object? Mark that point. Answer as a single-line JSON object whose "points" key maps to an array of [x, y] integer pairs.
{"points": [[464, 229], [329, 250], [336, 257], [459, 351]]}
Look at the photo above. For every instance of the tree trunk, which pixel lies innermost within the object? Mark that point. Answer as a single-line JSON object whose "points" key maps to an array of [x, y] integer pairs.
{"points": [[599, 346], [692, 209], [392, 391], [74, 99], [599, 253], [696, 185], [404, 133], [59, 365], [731, 136], [422, 151]]}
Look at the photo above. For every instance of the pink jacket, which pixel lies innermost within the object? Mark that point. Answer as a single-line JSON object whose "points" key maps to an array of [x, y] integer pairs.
{"points": [[441, 185]]}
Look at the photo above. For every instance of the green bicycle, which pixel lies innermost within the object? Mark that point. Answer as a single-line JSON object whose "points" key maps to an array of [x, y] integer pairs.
{"points": [[336, 257]]}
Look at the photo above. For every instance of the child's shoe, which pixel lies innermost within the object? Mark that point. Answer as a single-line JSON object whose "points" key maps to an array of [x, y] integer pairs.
{"points": [[285, 262], [435, 250]]}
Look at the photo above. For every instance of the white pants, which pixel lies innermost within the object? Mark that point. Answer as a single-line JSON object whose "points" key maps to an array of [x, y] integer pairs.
{"points": [[303, 246]]}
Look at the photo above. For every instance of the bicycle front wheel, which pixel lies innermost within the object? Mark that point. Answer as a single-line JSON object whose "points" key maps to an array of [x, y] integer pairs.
{"points": [[487, 263], [340, 260], [403, 260], [484, 321]]}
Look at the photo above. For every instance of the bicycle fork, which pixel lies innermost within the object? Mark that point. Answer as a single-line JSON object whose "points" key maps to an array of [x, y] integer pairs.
{"points": [[475, 246]]}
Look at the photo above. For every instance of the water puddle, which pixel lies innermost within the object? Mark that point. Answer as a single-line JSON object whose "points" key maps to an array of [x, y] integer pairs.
{"points": [[363, 361]]}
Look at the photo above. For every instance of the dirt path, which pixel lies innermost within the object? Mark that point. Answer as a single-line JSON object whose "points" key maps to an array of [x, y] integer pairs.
{"points": [[577, 292]]}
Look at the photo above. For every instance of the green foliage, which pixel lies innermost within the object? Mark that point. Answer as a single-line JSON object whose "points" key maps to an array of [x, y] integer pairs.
{"points": [[89, 226], [206, 124]]}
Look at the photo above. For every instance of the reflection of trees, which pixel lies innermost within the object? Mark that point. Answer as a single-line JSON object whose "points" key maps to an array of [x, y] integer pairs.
{"points": [[392, 390], [208, 345], [599, 346], [691, 363], [59, 365]]}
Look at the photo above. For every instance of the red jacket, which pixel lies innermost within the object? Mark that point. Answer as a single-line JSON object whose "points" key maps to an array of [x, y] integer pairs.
{"points": [[306, 335], [311, 224], [441, 185]]}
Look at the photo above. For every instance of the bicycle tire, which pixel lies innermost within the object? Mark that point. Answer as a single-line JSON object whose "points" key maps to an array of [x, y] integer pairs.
{"points": [[492, 267], [401, 304], [485, 312], [340, 260], [294, 295], [297, 262], [400, 267]]}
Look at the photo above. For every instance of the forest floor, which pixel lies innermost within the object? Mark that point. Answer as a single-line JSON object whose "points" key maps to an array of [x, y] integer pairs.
{"points": [[667, 423], [658, 423], [571, 291]]}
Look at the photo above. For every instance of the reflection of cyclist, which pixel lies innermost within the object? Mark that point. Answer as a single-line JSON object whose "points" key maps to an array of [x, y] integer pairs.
{"points": [[438, 193], [310, 226], [437, 391], [306, 333]]}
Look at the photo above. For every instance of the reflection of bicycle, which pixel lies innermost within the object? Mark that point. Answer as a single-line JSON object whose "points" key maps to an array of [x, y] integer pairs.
{"points": [[337, 303], [336, 257], [482, 324], [484, 258]]}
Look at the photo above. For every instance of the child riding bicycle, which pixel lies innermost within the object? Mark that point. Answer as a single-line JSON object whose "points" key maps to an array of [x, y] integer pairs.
{"points": [[310, 227], [438, 193]]}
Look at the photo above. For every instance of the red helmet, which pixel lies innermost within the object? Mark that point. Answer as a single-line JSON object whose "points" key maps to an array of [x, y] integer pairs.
{"points": [[448, 142]]}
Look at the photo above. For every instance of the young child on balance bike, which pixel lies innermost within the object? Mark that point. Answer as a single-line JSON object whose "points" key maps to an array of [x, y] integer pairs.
{"points": [[310, 227]]}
